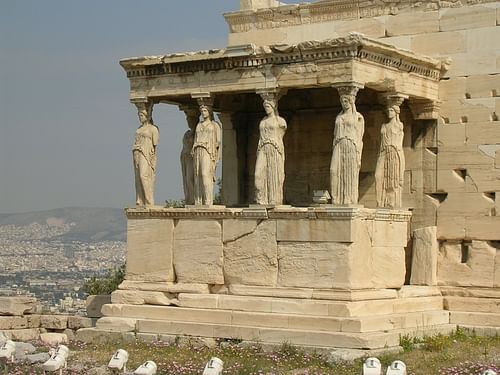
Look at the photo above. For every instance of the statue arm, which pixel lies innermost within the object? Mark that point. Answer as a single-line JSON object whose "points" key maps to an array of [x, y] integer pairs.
{"points": [[218, 140], [155, 136], [282, 123]]}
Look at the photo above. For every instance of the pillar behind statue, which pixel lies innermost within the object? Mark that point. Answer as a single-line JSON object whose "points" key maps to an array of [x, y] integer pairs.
{"points": [[192, 116], [146, 140]]}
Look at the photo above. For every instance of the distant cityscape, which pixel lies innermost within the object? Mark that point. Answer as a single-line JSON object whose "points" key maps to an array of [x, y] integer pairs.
{"points": [[38, 260]]}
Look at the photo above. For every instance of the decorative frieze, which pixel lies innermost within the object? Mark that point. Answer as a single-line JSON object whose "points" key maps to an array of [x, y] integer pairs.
{"points": [[332, 10]]}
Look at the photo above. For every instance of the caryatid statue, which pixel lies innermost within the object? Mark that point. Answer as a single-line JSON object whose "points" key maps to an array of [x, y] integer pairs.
{"points": [[347, 148], [192, 116], [389, 172], [146, 140], [206, 153], [270, 164]]}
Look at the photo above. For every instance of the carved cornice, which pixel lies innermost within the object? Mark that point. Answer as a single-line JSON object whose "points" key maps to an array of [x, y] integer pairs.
{"points": [[354, 46], [332, 10], [293, 213]]}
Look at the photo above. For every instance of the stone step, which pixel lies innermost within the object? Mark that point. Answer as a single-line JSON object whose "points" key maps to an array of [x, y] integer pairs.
{"points": [[276, 320], [472, 304], [164, 330], [307, 338], [309, 306], [475, 319]]}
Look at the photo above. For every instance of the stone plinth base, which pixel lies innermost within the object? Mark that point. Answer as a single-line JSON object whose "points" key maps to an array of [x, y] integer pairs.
{"points": [[350, 323], [317, 247], [313, 277]]}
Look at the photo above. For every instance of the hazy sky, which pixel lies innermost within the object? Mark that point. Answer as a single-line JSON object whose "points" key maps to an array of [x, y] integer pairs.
{"points": [[66, 125]]}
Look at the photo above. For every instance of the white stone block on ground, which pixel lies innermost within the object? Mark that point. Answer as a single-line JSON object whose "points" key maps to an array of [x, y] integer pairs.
{"points": [[53, 339], [149, 250], [198, 253], [425, 256], [16, 305], [250, 252]]}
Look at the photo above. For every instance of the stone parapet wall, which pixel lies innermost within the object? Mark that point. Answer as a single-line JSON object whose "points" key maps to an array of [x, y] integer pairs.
{"points": [[346, 248]]}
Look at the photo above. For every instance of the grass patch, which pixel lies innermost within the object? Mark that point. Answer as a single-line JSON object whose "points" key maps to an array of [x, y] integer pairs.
{"points": [[457, 354]]}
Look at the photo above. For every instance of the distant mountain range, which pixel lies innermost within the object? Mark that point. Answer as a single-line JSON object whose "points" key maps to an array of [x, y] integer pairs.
{"points": [[86, 224]]}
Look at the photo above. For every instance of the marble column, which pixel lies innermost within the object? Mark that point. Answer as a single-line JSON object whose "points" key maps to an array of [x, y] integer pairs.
{"points": [[230, 168], [192, 115]]}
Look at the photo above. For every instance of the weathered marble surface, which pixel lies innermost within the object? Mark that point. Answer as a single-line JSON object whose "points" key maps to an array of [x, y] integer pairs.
{"points": [[270, 164], [206, 153], [147, 137]]}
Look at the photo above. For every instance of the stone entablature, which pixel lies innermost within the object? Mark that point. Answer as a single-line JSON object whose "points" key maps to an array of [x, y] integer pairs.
{"points": [[332, 10], [355, 46]]}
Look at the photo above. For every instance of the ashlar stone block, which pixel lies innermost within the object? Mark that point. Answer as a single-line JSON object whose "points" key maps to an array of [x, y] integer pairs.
{"points": [[54, 321], [388, 268], [134, 297], [198, 252], [465, 18], [314, 265], [466, 264], [440, 43], [412, 23], [453, 88], [149, 250], [483, 86], [305, 230], [16, 305], [13, 322], [472, 63], [250, 252]]}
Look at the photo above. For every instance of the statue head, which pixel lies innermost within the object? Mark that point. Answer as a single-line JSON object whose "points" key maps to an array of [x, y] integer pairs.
{"points": [[393, 112], [270, 107], [205, 112], [143, 116], [347, 101]]}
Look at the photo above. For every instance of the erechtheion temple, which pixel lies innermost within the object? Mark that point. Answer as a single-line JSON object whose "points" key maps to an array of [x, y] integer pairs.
{"points": [[359, 145]]}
